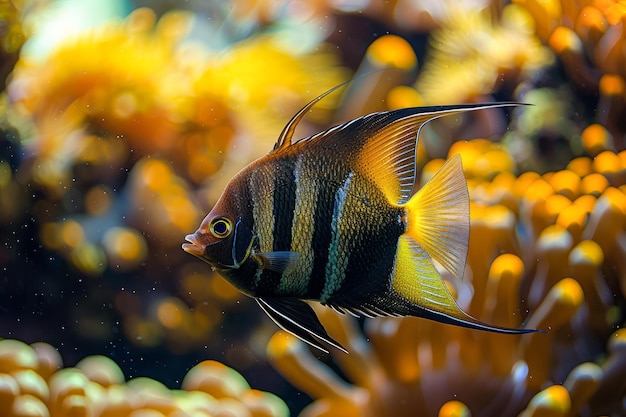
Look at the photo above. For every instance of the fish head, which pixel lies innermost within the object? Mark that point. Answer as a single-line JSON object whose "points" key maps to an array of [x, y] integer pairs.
{"points": [[223, 240]]}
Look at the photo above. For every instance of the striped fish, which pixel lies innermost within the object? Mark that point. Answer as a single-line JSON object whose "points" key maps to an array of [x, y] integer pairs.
{"points": [[332, 218]]}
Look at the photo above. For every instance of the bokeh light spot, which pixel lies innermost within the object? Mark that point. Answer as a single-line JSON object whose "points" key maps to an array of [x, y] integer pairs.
{"points": [[125, 247], [125, 105], [98, 200], [170, 313], [72, 233]]}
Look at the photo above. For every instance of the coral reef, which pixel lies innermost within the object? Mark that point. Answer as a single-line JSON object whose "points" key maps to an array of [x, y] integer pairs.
{"points": [[33, 383], [117, 138]]}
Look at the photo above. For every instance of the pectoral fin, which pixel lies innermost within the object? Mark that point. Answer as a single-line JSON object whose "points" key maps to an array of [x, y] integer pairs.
{"points": [[280, 261], [299, 319]]}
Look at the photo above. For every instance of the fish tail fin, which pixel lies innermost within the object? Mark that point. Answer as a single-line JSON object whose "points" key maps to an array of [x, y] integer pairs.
{"points": [[438, 229], [438, 217]]}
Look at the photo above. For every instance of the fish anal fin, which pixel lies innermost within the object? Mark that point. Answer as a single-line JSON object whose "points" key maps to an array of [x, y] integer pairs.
{"points": [[438, 217], [417, 281], [298, 318]]}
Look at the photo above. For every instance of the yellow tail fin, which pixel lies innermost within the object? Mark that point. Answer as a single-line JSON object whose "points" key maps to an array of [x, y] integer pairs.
{"points": [[438, 217]]}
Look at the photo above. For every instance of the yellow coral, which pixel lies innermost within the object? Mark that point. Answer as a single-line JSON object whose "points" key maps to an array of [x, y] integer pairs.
{"points": [[114, 84]]}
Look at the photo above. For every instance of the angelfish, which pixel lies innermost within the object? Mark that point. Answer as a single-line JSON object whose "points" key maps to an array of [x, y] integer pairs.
{"points": [[332, 218]]}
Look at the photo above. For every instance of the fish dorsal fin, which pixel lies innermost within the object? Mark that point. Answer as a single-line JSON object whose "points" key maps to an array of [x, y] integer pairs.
{"points": [[388, 157], [299, 319], [284, 139]]}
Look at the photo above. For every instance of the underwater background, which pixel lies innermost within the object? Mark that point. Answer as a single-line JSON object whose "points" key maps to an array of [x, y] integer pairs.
{"points": [[122, 121]]}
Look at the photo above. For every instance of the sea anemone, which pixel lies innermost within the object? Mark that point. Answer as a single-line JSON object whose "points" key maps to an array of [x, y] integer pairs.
{"points": [[12, 37], [474, 54], [34, 383], [589, 42]]}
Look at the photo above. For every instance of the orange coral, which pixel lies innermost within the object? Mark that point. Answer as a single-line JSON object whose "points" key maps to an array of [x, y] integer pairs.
{"points": [[33, 383]]}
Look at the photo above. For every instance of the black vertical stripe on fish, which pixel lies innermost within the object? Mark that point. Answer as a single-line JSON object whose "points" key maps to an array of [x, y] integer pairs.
{"points": [[363, 277], [282, 208], [322, 235], [284, 203], [281, 212]]}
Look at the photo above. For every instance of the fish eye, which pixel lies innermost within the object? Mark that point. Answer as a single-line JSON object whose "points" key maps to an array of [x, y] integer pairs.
{"points": [[221, 227]]}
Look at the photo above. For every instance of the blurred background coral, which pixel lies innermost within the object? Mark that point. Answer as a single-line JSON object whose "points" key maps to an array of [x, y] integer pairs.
{"points": [[121, 121]]}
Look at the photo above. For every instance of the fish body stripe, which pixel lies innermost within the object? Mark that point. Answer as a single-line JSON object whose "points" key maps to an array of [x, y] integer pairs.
{"points": [[373, 245], [283, 191], [284, 203], [370, 270], [337, 263], [296, 281], [261, 184], [322, 233], [325, 221]]}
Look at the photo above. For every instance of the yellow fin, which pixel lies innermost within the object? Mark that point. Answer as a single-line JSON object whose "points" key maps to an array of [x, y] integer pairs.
{"points": [[417, 281], [388, 156], [438, 217]]}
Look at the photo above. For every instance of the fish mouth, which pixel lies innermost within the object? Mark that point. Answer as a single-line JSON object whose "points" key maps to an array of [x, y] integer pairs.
{"points": [[193, 245]]}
